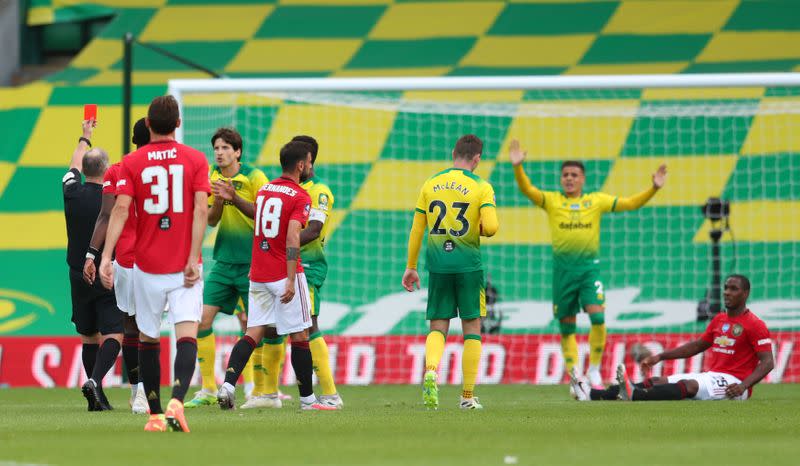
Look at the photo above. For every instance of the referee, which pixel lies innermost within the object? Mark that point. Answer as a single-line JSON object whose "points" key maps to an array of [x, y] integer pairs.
{"points": [[94, 309]]}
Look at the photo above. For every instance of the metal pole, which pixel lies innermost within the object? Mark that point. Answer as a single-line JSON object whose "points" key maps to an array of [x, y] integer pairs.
{"points": [[127, 69], [716, 274]]}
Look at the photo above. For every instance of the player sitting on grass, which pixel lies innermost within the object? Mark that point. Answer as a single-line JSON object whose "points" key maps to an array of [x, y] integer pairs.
{"points": [[741, 355]]}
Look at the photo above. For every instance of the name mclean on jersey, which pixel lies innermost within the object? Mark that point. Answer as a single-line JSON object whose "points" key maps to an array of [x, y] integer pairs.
{"points": [[281, 189], [163, 154], [452, 185]]}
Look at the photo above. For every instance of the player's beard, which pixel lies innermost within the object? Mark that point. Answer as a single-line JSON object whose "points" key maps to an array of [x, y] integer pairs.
{"points": [[305, 175]]}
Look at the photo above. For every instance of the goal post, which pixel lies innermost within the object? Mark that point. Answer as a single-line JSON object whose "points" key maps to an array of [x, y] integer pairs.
{"points": [[734, 137]]}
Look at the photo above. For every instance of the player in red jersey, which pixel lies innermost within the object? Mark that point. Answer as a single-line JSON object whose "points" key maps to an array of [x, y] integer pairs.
{"points": [[278, 290], [741, 355], [168, 182], [123, 269]]}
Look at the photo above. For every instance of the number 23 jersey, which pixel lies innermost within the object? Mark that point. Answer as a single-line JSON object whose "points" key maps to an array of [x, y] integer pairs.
{"points": [[277, 202], [452, 201], [162, 177]]}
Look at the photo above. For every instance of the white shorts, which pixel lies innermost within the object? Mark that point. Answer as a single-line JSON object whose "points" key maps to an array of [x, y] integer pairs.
{"points": [[266, 308], [712, 385], [154, 292], [123, 288]]}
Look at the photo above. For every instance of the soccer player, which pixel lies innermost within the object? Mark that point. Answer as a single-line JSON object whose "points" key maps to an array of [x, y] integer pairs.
{"points": [[575, 228], [312, 242], [168, 182], [123, 266], [741, 355], [278, 287], [234, 185], [456, 207], [94, 309]]}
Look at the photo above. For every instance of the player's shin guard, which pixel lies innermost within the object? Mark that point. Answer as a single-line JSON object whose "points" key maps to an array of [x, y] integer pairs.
{"points": [[185, 355], [469, 363], [206, 354], [322, 365], [130, 354], [106, 357], [663, 392], [273, 352], [89, 357], [239, 356], [597, 339], [569, 345], [259, 377], [303, 367], [434, 348], [150, 372]]}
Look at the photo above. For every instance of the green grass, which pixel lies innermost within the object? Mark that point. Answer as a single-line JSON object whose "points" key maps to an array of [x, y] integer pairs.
{"points": [[388, 425]]}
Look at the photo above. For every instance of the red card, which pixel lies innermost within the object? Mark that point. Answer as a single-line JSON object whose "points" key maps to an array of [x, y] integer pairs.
{"points": [[90, 112]]}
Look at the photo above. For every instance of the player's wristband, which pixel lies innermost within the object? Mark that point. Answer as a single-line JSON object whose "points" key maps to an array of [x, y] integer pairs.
{"points": [[88, 142], [90, 256], [94, 251]]}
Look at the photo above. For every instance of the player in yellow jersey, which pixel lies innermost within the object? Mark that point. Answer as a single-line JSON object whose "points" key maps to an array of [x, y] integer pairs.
{"points": [[234, 185], [574, 218], [456, 207]]}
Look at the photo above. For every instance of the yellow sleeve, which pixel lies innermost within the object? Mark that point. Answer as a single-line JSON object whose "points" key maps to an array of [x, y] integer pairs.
{"points": [[421, 205], [489, 222], [257, 180], [211, 179], [415, 238], [634, 202], [532, 192]]}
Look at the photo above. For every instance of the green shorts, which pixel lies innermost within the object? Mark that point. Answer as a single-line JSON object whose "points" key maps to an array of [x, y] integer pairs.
{"points": [[225, 285], [453, 295], [574, 289]]}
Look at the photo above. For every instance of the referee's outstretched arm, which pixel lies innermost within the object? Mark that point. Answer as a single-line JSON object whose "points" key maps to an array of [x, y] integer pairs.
{"points": [[84, 144]]}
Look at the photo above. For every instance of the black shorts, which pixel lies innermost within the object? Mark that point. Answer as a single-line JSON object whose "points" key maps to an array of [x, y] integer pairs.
{"points": [[94, 308]]}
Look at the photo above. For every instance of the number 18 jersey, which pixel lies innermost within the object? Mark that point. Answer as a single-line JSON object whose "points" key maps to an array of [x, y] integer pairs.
{"points": [[277, 202], [452, 201], [162, 177]]}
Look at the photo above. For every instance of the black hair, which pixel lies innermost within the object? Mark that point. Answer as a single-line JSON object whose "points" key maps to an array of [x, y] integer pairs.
{"points": [[311, 142], [292, 153]]}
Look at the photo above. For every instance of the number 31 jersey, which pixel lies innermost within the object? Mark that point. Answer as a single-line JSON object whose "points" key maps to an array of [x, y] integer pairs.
{"points": [[277, 202], [162, 177], [452, 201]]}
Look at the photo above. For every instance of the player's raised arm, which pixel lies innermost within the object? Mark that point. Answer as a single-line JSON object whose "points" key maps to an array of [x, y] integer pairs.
{"points": [[119, 215], [638, 200], [517, 156]]}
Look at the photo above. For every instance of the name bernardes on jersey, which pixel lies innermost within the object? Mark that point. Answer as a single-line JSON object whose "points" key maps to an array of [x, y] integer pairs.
{"points": [[163, 154], [280, 189]]}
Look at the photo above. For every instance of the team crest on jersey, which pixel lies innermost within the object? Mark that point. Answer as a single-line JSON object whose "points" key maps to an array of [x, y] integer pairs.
{"points": [[264, 246], [587, 204], [737, 330], [237, 185], [725, 328], [723, 341], [323, 201]]}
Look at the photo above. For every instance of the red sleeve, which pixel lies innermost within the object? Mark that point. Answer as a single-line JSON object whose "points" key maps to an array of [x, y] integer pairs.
{"points": [[708, 335], [125, 180], [110, 180], [301, 209], [200, 184], [759, 336]]}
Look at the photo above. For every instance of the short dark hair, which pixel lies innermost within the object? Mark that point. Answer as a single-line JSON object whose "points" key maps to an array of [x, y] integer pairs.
{"points": [[163, 115], [745, 282], [95, 162], [311, 142], [229, 135], [573, 163], [292, 153], [141, 135], [468, 146]]}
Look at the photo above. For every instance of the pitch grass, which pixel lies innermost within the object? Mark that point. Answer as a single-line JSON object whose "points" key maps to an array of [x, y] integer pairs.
{"points": [[387, 425]]}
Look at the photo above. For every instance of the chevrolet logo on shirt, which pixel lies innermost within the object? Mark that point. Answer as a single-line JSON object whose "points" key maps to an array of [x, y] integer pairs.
{"points": [[723, 341]]}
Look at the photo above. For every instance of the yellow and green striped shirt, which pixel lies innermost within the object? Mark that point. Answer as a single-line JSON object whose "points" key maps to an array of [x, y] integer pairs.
{"points": [[313, 253]]}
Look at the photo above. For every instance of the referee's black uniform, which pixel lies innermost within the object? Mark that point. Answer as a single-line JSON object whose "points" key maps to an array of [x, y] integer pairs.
{"points": [[94, 308]]}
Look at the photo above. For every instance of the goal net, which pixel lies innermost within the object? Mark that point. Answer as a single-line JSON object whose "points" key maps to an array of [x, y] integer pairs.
{"points": [[720, 136]]}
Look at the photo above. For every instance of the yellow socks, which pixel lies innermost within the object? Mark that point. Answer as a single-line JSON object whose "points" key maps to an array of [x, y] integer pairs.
{"points": [[569, 348], [434, 348], [322, 366], [469, 363], [273, 352], [597, 343], [206, 354], [259, 377]]}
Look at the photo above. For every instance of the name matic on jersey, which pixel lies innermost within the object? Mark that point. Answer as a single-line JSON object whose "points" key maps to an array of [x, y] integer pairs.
{"points": [[452, 185], [281, 189], [163, 154]]}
